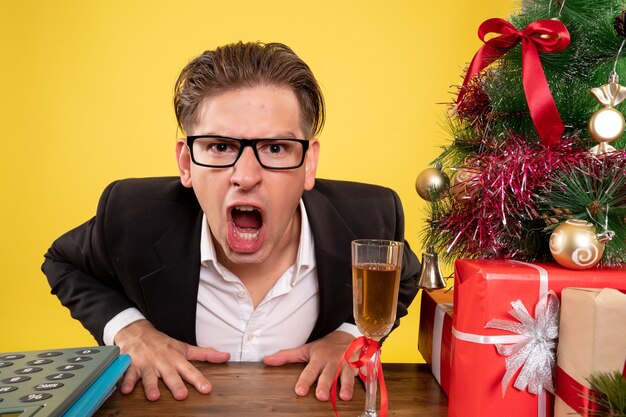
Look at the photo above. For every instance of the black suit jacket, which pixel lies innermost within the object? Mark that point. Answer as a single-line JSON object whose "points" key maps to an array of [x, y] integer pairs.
{"points": [[142, 249]]}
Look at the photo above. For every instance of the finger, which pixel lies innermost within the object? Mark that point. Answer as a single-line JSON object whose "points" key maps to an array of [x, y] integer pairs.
{"points": [[307, 378], [150, 383], [175, 384], [193, 376], [131, 376], [325, 381], [347, 383], [284, 356], [195, 353]]}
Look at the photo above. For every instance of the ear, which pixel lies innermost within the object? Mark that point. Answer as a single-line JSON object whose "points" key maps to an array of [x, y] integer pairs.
{"points": [[310, 164], [184, 162]]}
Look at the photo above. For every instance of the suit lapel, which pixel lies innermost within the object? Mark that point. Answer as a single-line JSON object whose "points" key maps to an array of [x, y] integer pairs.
{"points": [[332, 253], [171, 292]]}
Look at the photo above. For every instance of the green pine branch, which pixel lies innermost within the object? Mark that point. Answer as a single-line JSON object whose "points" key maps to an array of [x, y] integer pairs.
{"points": [[610, 393]]}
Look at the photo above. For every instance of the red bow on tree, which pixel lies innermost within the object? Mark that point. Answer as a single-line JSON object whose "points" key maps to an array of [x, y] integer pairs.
{"points": [[539, 36]]}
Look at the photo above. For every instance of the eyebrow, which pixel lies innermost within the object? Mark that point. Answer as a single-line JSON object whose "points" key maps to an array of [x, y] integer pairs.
{"points": [[286, 135]]}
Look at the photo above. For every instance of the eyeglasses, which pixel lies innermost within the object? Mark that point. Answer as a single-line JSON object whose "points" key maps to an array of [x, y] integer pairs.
{"points": [[222, 152]]}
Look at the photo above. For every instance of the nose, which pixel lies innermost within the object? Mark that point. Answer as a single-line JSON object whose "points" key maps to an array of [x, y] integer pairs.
{"points": [[247, 170]]}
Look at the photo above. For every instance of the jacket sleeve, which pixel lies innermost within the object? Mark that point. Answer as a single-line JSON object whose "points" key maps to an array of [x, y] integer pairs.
{"points": [[81, 276], [410, 265]]}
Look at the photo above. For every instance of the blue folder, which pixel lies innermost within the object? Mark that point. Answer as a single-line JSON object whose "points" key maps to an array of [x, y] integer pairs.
{"points": [[87, 404]]}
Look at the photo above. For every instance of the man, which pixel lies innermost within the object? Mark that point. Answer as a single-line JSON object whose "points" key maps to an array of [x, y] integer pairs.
{"points": [[244, 257]]}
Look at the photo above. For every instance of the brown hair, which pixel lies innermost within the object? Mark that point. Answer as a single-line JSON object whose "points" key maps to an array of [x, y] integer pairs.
{"points": [[241, 65]]}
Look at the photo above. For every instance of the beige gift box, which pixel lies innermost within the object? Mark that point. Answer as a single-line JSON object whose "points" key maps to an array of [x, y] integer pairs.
{"points": [[592, 337]]}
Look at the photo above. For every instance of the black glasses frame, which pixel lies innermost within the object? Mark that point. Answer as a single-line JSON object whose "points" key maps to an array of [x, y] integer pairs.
{"points": [[245, 143]]}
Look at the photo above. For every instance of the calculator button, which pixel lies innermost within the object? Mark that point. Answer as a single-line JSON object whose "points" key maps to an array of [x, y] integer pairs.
{"points": [[11, 357], [31, 370], [60, 375], [49, 354], [79, 359], [46, 386], [7, 388], [87, 352], [38, 396], [4, 364], [39, 362], [69, 367], [15, 379]]}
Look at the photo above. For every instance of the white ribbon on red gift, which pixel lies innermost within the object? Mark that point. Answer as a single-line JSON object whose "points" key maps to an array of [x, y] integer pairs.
{"points": [[532, 336]]}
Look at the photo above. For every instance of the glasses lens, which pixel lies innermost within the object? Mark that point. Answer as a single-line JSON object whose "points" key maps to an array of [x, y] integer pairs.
{"points": [[215, 151], [280, 153]]}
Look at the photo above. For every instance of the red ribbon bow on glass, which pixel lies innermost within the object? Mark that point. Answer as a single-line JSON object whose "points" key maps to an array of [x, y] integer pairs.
{"points": [[368, 348], [539, 36]]}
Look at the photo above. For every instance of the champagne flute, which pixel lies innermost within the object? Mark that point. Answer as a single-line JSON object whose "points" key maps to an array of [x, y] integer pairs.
{"points": [[376, 266]]}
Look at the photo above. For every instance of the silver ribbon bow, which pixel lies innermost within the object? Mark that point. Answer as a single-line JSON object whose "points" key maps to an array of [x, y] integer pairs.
{"points": [[535, 354]]}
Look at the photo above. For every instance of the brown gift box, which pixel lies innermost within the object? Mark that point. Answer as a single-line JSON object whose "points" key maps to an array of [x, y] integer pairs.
{"points": [[435, 333], [592, 339]]}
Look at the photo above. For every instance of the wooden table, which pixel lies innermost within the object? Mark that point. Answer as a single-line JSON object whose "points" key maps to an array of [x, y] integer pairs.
{"points": [[253, 389]]}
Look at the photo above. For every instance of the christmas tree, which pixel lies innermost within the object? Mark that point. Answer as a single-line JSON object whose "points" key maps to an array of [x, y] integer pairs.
{"points": [[536, 165]]}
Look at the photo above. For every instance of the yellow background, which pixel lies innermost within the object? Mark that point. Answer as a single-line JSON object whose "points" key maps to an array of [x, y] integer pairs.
{"points": [[86, 98]]}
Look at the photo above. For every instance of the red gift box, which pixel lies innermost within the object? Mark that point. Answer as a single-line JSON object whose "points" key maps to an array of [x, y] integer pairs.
{"points": [[435, 334], [483, 291]]}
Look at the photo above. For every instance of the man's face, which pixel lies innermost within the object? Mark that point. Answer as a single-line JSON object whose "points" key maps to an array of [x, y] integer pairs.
{"points": [[252, 211]]}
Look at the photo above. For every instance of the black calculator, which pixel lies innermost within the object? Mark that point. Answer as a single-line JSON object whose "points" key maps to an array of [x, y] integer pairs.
{"points": [[59, 382]]}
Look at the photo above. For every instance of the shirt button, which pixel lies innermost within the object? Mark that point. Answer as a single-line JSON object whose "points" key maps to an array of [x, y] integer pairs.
{"points": [[250, 337], [241, 294]]}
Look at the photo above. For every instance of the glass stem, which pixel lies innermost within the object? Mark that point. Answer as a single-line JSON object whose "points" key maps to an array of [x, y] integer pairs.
{"points": [[371, 385]]}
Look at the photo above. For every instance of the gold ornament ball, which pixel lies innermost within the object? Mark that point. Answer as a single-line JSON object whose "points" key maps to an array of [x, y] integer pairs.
{"points": [[431, 184], [574, 245], [606, 125]]}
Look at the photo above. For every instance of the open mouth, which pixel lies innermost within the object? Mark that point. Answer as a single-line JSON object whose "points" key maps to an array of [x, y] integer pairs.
{"points": [[247, 221], [245, 229]]}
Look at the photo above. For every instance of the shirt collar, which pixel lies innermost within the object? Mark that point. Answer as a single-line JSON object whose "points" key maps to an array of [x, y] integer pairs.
{"points": [[305, 258]]}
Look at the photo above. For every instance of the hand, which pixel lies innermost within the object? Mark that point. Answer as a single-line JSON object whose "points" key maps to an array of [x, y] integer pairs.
{"points": [[323, 356], [155, 355]]}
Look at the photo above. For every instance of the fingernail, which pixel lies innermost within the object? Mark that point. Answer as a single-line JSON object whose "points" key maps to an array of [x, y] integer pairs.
{"points": [[180, 394], [300, 391], [321, 395]]}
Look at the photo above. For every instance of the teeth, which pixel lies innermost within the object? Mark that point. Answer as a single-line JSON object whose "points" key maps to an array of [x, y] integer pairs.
{"points": [[244, 208], [247, 236]]}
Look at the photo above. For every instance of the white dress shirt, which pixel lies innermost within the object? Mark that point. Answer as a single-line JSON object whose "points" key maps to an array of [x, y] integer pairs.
{"points": [[225, 317]]}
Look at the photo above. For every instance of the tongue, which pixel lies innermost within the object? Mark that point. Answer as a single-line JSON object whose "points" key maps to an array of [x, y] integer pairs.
{"points": [[247, 219]]}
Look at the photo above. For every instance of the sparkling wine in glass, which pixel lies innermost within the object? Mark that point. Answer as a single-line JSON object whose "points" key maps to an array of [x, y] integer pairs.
{"points": [[376, 266]]}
